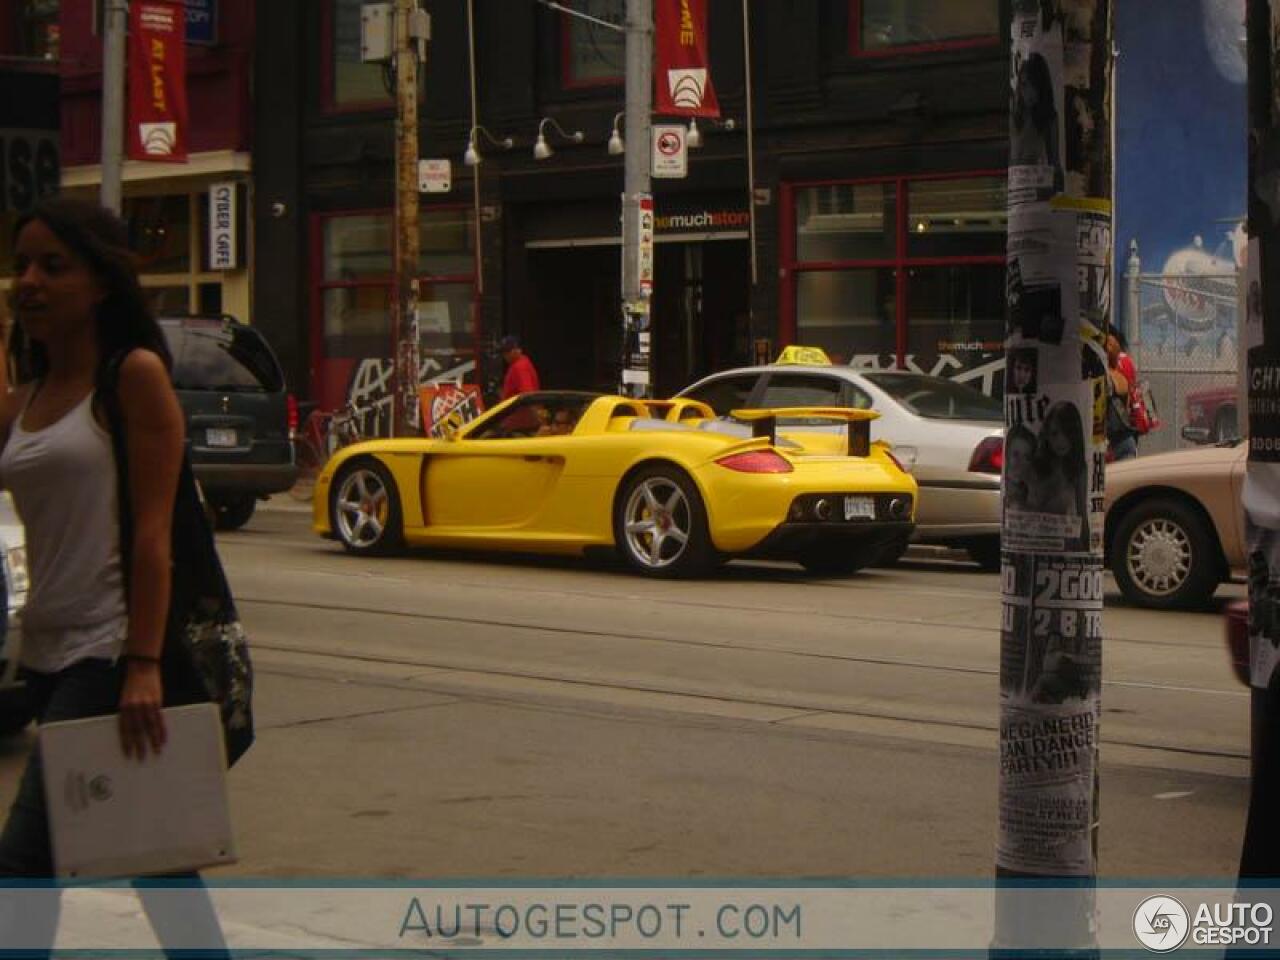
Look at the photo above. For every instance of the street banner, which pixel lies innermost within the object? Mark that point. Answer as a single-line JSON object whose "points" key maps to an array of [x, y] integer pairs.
{"points": [[682, 67], [157, 81]]}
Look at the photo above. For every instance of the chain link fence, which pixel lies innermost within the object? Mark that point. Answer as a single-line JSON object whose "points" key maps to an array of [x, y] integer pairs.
{"points": [[1185, 344]]}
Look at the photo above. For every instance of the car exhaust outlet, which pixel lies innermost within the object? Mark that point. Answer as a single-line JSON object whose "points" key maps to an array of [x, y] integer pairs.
{"points": [[899, 508], [822, 509]]}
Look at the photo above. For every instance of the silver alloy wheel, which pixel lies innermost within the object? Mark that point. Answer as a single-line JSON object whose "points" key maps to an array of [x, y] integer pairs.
{"points": [[657, 522], [1159, 556], [361, 506]]}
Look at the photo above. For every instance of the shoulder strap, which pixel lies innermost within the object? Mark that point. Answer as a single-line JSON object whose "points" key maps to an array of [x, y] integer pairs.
{"points": [[108, 395]]}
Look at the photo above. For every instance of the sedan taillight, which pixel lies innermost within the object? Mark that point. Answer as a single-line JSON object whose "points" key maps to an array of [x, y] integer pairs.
{"points": [[757, 461], [291, 415], [988, 457]]}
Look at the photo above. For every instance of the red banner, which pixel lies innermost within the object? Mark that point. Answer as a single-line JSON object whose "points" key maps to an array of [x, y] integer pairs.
{"points": [[157, 81], [682, 71]]}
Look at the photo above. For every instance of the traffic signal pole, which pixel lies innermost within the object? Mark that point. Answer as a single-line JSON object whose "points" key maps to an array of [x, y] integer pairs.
{"points": [[1059, 293], [637, 203]]}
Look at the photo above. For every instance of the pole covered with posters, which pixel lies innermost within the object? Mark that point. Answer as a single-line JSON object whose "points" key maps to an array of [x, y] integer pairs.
{"points": [[404, 291], [1059, 299], [1261, 338]]}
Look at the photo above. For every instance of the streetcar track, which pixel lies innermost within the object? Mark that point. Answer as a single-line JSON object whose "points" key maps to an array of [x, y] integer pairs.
{"points": [[802, 709], [704, 644]]}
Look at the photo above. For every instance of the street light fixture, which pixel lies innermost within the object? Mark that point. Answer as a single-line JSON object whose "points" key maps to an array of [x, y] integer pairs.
{"points": [[693, 140], [472, 156], [542, 149], [616, 146]]}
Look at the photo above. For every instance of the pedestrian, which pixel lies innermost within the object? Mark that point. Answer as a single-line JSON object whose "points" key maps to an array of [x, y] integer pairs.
{"points": [[87, 649], [1122, 381], [522, 377]]}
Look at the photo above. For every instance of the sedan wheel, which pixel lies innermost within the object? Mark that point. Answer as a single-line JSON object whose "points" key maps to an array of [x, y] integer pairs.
{"points": [[364, 509], [660, 524], [1164, 556]]}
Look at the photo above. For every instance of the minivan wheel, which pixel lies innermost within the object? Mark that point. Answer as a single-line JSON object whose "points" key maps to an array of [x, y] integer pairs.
{"points": [[232, 513]]}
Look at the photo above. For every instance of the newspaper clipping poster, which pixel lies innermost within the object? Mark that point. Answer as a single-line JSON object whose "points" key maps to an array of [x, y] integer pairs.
{"points": [[1059, 295]]}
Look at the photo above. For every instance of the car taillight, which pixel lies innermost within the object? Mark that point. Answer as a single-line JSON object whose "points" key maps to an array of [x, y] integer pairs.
{"points": [[757, 461], [1238, 640], [291, 414], [988, 457]]}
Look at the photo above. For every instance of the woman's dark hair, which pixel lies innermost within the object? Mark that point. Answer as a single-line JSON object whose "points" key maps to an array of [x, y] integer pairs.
{"points": [[1066, 417], [124, 319], [1017, 432], [1035, 69]]}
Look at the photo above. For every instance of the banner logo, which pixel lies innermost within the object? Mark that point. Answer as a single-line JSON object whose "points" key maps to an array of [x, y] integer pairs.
{"points": [[688, 86], [1161, 924], [158, 139]]}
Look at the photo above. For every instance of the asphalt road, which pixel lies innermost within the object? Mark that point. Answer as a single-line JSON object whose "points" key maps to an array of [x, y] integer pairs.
{"points": [[447, 715]]}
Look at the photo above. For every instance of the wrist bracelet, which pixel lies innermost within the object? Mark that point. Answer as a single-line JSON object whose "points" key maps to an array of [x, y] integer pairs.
{"points": [[141, 657]]}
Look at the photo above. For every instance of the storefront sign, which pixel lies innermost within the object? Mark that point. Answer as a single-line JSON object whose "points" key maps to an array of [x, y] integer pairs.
{"points": [[681, 73], [670, 153], [157, 81], [703, 220], [202, 22], [224, 240]]}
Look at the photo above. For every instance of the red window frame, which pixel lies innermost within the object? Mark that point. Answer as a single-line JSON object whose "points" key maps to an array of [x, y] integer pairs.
{"points": [[856, 48], [567, 80], [328, 83], [900, 262], [319, 285]]}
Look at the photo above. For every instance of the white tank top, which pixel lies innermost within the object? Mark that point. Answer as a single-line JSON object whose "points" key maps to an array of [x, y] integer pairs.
{"points": [[63, 481]]}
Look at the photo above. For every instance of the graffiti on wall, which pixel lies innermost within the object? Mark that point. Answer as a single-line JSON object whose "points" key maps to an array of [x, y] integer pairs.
{"points": [[369, 388]]}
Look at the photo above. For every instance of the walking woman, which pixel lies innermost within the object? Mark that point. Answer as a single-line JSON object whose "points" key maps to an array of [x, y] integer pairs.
{"points": [[87, 649]]}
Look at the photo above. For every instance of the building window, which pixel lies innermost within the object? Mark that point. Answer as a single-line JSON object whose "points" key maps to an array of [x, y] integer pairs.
{"points": [[894, 26], [352, 84], [900, 272], [353, 298], [593, 54], [36, 32]]}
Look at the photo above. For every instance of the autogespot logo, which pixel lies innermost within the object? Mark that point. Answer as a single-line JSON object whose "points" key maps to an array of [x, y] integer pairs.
{"points": [[1161, 924]]}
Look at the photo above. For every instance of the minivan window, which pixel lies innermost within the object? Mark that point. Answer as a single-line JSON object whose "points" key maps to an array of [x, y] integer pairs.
{"points": [[227, 357], [938, 399]]}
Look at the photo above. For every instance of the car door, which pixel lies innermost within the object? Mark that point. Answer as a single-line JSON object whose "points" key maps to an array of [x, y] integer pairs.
{"points": [[498, 478]]}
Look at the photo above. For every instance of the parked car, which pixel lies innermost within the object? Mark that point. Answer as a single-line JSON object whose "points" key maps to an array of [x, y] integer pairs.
{"points": [[1212, 415], [1175, 524], [240, 419], [659, 482], [947, 434], [15, 710]]}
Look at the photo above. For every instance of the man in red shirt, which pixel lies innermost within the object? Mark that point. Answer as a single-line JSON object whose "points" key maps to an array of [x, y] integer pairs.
{"points": [[521, 376]]}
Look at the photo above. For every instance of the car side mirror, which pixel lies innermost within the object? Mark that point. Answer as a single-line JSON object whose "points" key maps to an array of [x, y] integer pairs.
{"points": [[1196, 434]]}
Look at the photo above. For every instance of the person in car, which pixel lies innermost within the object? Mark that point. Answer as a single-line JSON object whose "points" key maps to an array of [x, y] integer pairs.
{"points": [[88, 650]]}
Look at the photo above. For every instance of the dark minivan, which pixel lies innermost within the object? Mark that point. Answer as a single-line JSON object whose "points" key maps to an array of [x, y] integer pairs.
{"points": [[240, 418]]}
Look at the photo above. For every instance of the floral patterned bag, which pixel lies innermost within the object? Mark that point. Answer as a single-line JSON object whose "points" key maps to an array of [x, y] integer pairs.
{"points": [[206, 651]]}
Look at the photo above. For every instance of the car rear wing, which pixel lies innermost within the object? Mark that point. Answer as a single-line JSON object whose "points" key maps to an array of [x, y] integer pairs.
{"points": [[764, 423]]}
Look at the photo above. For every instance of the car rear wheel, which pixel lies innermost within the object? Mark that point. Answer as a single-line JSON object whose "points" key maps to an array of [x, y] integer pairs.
{"points": [[891, 551], [364, 509], [985, 552], [1165, 557], [660, 524], [232, 513], [840, 559]]}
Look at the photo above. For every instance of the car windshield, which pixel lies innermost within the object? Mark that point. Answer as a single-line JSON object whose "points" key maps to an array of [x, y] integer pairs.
{"points": [[938, 399], [229, 357]]}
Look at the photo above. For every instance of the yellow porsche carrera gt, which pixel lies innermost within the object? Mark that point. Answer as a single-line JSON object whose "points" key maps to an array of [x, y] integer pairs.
{"points": [[665, 483]]}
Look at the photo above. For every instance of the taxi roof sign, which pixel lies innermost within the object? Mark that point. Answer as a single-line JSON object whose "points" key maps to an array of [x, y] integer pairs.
{"points": [[810, 356]]}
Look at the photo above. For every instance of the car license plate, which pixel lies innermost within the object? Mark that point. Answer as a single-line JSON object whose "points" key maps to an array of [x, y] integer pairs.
{"points": [[220, 437], [859, 508]]}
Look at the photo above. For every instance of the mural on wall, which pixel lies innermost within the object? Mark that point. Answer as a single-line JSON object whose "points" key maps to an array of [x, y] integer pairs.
{"points": [[1181, 170]]}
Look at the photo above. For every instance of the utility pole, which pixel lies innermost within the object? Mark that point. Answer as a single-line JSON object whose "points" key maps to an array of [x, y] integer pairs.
{"points": [[115, 17], [637, 203], [1261, 337], [411, 33], [1059, 291]]}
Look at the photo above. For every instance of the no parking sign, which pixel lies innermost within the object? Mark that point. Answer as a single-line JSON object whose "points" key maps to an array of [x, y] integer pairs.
{"points": [[670, 150]]}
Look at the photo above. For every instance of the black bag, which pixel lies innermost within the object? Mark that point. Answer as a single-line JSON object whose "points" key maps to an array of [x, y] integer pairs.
{"points": [[206, 652], [1119, 423]]}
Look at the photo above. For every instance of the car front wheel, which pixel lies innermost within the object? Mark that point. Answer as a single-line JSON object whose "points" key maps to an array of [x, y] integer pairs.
{"points": [[232, 513], [660, 524], [364, 508], [1165, 557]]}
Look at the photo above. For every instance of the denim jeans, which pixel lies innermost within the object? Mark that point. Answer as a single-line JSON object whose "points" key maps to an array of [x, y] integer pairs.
{"points": [[89, 688], [1124, 449]]}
